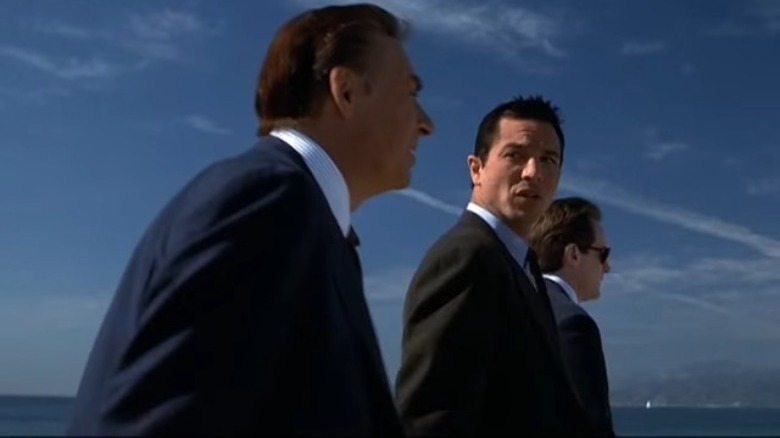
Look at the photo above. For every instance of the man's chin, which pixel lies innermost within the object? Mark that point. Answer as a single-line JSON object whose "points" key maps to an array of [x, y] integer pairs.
{"points": [[399, 183]]}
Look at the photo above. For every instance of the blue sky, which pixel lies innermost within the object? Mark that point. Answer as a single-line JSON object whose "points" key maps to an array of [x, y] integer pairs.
{"points": [[671, 113]]}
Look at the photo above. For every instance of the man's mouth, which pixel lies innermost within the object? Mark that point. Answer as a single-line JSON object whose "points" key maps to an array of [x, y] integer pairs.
{"points": [[528, 194]]}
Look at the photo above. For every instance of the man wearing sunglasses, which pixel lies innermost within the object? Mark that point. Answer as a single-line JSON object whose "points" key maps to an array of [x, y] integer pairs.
{"points": [[573, 255]]}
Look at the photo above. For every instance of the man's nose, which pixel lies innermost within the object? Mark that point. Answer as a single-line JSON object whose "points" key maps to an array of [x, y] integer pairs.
{"points": [[531, 169], [425, 123]]}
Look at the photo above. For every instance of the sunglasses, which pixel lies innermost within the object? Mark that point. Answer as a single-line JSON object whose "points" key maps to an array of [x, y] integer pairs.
{"points": [[603, 252]]}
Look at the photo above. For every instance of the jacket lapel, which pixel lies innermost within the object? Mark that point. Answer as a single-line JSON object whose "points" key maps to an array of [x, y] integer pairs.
{"points": [[537, 300], [349, 288]]}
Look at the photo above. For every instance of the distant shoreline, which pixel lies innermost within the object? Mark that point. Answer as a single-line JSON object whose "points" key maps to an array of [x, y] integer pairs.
{"points": [[619, 406]]}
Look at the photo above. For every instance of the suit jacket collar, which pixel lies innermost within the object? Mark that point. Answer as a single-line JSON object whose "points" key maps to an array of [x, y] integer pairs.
{"points": [[514, 243], [562, 285]]}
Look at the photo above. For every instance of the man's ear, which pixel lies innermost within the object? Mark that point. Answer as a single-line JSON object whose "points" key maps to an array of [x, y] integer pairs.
{"points": [[343, 83], [571, 254], [475, 165]]}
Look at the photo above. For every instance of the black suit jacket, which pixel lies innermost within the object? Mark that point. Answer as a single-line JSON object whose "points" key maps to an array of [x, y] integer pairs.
{"points": [[240, 311], [584, 356], [480, 352]]}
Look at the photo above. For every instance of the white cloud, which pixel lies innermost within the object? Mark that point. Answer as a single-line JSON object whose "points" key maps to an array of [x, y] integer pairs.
{"points": [[759, 18], [737, 288], [607, 193], [165, 25], [37, 96], [155, 36], [763, 186], [72, 68], [768, 11], [388, 285], [499, 26], [57, 27], [659, 151], [159, 35], [204, 124], [637, 48], [431, 201], [657, 148]]}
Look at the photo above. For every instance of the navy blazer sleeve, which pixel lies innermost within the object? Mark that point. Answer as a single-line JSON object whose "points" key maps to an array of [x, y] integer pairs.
{"points": [[217, 289]]}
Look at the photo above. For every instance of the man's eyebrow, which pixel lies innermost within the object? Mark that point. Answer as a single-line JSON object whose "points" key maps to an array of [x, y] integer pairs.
{"points": [[547, 150]]}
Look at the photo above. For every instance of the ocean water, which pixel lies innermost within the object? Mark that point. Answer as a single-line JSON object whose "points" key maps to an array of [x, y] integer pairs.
{"points": [[48, 416]]}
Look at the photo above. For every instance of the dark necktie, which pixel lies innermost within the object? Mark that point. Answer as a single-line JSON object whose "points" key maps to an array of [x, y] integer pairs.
{"points": [[354, 242], [528, 271]]}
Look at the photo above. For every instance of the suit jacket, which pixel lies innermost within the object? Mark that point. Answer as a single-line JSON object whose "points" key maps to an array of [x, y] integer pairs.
{"points": [[584, 356], [240, 311], [480, 353]]}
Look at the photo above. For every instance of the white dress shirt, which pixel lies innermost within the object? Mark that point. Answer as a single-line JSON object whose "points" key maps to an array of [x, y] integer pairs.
{"points": [[325, 172], [514, 243], [564, 285]]}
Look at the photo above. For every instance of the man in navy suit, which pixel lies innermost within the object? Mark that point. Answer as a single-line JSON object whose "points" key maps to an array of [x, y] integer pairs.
{"points": [[573, 255], [242, 308]]}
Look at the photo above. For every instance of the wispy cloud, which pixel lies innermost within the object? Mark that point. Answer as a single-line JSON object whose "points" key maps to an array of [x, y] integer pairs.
{"points": [[71, 68], [768, 11], [388, 285], [140, 39], [659, 151], [159, 35], [431, 201], [639, 48], [37, 96], [758, 18], [205, 124], [737, 288], [640, 272], [609, 194], [763, 186], [57, 27], [499, 26], [657, 148]]}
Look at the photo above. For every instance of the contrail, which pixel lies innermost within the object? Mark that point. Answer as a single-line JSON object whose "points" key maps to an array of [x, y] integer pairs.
{"points": [[430, 201], [606, 193]]}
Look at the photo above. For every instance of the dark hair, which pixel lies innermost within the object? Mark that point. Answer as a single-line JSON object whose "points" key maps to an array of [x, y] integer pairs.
{"points": [[567, 220], [294, 75], [528, 108]]}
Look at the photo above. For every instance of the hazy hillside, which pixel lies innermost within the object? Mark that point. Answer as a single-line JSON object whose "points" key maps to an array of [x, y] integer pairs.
{"points": [[704, 384]]}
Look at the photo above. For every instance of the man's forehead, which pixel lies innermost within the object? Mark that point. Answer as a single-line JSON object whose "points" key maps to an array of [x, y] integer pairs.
{"points": [[529, 126], [530, 136]]}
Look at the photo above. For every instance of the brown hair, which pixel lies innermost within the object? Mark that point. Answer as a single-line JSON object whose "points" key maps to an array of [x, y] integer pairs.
{"points": [[567, 220], [294, 75]]}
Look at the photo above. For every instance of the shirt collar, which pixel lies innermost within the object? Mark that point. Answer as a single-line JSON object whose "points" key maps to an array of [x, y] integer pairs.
{"points": [[509, 238], [564, 285], [325, 172]]}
